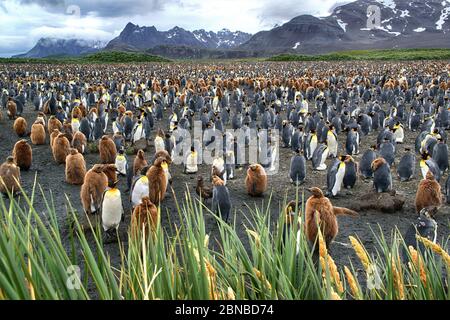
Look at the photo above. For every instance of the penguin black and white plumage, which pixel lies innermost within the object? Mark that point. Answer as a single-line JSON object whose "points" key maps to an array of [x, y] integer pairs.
{"points": [[407, 166], [297, 171], [221, 201], [335, 176], [128, 128], [159, 143], [121, 162], [332, 141], [138, 131], [287, 134], [311, 144], [365, 164], [98, 129], [191, 162], [414, 120], [440, 155], [352, 142], [139, 189], [366, 123], [387, 151], [297, 139], [351, 173], [382, 178], [117, 127], [399, 133], [425, 226], [75, 124], [319, 157], [428, 143], [384, 135], [112, 210], [85, 128], [427, 163]]}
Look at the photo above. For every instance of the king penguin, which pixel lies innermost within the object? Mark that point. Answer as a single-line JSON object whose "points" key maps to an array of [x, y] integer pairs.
{"points": [[319, 157], [365, 165], [121, 162], [332, 141], [351, 170], [440, 155], [427, 163], [387, 151], [311, 144], [335, 176], [352, 142], [112, 211], [382, 178], [399, 133], [297, 171], [407, 166]]}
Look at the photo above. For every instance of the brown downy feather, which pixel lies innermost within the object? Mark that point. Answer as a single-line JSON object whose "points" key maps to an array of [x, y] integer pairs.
{"points": [[256, 180], [9, 177], [320, 212], [428, 193], [157, 181], [20, 126], [23, 154], [75, 168]]}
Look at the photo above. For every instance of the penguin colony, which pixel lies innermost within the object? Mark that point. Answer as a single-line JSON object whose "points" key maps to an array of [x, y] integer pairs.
{"points": [[324, 121]]}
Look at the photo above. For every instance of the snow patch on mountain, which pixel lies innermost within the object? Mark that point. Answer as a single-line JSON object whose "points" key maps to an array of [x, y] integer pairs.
{"points": [[342, 24], [444, 16]]}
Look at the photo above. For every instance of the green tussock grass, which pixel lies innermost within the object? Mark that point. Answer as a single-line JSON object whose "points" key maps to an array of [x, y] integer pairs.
{"points": [[187, 263], [374, 55]]}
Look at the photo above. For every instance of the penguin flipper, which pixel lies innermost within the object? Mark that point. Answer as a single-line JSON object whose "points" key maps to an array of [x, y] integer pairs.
{"points": [[344, 212]]}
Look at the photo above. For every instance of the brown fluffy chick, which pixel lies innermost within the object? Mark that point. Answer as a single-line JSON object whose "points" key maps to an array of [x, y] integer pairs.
{"points": [[319, 211], [204, 192], [144, 218]]}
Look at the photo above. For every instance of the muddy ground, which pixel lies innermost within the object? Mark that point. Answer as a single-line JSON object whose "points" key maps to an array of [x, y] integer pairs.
{"points": [[51, 178]]}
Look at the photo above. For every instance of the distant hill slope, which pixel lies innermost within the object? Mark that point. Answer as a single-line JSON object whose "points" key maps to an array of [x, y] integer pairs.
{"points": [[403, 24], [46, 47], [99, 57]]}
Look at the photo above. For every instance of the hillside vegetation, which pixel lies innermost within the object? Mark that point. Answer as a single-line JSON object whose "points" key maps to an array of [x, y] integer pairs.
{"points": [[387, 54], [99, 57]]}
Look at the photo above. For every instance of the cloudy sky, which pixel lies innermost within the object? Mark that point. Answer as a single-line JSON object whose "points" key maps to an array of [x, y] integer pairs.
{"points": [[23, 22]]}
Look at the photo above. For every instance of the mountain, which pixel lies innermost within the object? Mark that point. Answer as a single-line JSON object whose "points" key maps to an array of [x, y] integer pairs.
{"points": [[134, 37], [46, 47], [186, 52], [404, 24]]}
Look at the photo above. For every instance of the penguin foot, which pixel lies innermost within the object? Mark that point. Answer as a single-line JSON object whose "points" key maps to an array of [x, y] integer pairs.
{"points": [[109, 236]]}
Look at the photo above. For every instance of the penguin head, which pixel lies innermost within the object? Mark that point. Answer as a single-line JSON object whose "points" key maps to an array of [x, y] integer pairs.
{"points": [[428, 212], [216, 181], [316, 192], [430, 176], [10, 160], [425, 155], [140, 154], [377, 163]]}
